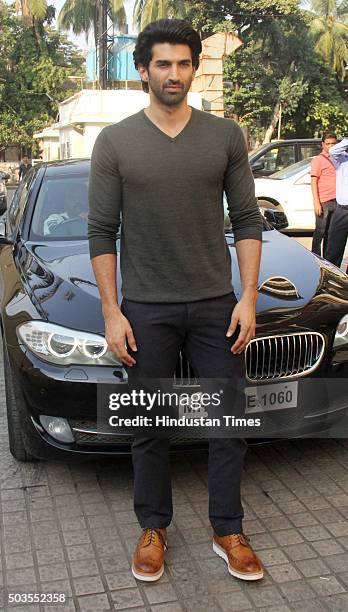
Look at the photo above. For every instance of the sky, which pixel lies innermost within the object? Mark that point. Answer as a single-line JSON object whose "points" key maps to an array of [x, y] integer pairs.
{"points": [[80, 41]]}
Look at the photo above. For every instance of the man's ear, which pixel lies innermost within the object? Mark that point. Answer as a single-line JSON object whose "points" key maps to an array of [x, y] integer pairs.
{"points": [[143, 73]]}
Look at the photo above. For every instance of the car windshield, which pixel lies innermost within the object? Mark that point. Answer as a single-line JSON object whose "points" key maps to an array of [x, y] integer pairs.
{"points": [[257, 150], [291, 170], [61, 209]]}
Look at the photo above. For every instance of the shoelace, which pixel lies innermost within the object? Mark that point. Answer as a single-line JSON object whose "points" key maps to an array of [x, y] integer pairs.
{"points": [[149, 535], [239, 538]]}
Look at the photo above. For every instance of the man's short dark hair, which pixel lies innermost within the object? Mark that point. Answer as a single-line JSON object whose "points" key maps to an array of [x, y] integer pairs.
{"points": [[327, 135], [174, 31]]}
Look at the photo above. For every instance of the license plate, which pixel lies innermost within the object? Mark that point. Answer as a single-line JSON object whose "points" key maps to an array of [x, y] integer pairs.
{"points": [[189, 406], [271, 397]]}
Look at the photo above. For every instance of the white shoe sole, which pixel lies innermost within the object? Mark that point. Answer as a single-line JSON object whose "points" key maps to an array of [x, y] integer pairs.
{"points": [[148, 578], [220, 551]]}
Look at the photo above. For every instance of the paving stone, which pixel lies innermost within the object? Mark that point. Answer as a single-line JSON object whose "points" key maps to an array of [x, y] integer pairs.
{"points": [[120, 580], [160, 593], [21, 576], [314, 533], [276, 523], [297, 591], [57, 586], [94, 603], [327, 547], [283, 573], [267, 596], [313, 567], [260, 541], [287, 536], [299, 551], [327, 585], [117, 563], [82, 551], [19, 560], [312, 605], [51, 540], [70, 524], [338, 529], [126, 598], [84, 567], [303, 519], [235, 603], [337, 562], [337, 603], [88, 586], [55, 571], [173, 606], [80, 536], [273, 556], [55, 555]]}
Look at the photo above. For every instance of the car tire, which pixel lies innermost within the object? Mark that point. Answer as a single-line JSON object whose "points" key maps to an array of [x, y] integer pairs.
{"points": [[15, 412]]}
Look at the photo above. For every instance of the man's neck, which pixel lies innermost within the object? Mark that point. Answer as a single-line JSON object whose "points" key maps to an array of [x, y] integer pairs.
{"points": [[168, 116]]}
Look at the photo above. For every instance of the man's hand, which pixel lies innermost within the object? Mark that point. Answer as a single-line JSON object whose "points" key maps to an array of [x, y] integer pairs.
{"points": [[318, 209], [117, 331], [243, 313]]}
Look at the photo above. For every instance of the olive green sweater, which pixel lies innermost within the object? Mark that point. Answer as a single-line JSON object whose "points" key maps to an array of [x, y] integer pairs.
{"points": [[168, 192]]}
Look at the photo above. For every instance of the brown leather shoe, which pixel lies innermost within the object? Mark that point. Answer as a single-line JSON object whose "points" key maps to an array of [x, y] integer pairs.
{"points": [[239, 556], [148, 558]]}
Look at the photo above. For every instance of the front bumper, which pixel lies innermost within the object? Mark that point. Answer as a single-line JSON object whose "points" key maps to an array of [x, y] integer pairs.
{"points": [[71, 393]]}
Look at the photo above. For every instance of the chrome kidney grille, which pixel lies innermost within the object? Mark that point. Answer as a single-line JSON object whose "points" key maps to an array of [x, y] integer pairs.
{"points": [[285, 356]]}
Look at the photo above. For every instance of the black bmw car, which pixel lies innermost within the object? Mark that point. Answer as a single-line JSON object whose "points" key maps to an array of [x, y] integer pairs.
{"points": [[55, 353]]}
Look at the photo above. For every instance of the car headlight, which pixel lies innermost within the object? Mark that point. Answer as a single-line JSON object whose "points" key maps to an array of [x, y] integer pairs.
{"points": [[64, 346], [341, 336]]}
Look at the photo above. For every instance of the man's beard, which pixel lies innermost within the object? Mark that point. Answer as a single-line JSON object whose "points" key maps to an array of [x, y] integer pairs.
{"points": [[166, 97]]}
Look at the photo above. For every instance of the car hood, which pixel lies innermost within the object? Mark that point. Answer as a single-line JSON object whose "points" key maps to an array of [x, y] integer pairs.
{"points": [[60, 280], [266, 185]]}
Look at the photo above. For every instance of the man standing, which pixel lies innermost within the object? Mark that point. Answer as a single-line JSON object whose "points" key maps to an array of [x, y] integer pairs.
{"points": [[24, 167], [323, 183], [338, 232], [165, 169]]}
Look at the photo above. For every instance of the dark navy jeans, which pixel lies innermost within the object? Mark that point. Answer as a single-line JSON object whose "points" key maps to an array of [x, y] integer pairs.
{"points": [[338, 235], [199, 328]]}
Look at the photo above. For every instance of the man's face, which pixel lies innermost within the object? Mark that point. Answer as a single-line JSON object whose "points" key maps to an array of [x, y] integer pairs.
{"points": [[328, 143], [170, 73], [25, 159]]}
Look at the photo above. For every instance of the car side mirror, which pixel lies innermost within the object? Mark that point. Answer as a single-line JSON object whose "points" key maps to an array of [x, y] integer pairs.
{"points": [[276, 219], [259, 164]]}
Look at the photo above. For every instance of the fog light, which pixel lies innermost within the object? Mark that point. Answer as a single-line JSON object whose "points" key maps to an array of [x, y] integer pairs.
{"points": [[57, 427]]}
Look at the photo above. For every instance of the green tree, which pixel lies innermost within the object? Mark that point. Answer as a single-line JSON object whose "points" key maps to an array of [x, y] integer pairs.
{"points": [[329, 28], [32, 9], [82, 15], [146, 11], [32, 80]]}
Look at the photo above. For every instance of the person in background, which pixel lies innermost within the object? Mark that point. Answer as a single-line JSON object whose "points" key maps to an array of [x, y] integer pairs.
{"points": [[338, 232], [24, 167], [323, 182]]}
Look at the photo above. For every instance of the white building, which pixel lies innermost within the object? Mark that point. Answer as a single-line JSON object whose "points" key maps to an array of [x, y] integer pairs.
{"points": [[83, 115]]}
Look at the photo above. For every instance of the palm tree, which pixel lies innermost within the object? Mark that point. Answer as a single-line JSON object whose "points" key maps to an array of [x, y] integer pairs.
{"points": [[146, 11], [329, 28], [82, 15], [32, 9]]}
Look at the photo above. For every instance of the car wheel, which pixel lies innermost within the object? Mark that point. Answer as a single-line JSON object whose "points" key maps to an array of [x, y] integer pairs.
{"points": [[15, 412]]}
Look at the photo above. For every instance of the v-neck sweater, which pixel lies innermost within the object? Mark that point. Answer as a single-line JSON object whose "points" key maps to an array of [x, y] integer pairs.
{"points": [[166, 193]]}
